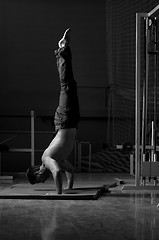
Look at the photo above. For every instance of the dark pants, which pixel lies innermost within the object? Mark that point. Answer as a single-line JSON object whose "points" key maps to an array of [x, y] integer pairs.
{"points": [[67, 114]]}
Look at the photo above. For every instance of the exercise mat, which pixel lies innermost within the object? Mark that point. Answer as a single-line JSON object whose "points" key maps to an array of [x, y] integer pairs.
{"points": [[47, 192]]}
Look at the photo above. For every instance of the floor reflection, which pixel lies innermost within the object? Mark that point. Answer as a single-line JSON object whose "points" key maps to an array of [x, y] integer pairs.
{"points": [[59, 226], [129, 215], [146, 216]]}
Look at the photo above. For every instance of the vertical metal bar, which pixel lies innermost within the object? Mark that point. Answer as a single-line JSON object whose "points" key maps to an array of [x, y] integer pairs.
{"points": [[155, 85], [131, 164], [137, 102], [90, 150], [145, 93], [75, 155], [0, 163], [145, 87], [109, 115], [79, 156], [32, 138], [152, 142], [110, 127]]}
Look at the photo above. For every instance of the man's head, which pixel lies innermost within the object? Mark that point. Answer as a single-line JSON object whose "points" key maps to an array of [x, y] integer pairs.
{"points": [[35, 175]]}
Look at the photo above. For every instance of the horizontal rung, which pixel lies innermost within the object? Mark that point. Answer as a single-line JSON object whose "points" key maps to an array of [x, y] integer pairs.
{"points": [[6, 177], [23, 150], [147, 147], [155, 52], [19, 150], [26, 132]]}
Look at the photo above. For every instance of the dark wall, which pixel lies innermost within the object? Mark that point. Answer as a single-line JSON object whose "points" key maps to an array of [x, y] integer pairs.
{"points": [[103, 48], [30, 30]]}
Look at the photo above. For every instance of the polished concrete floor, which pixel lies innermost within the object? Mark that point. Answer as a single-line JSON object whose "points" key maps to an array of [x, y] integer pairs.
{"points": [[116, 215]]}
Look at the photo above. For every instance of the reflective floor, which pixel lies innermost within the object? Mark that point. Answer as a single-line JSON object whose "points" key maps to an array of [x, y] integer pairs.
{"points": [[116, 215]]}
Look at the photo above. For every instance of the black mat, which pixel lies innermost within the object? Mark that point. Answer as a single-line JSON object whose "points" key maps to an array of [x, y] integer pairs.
{"points": [[48, 192]]}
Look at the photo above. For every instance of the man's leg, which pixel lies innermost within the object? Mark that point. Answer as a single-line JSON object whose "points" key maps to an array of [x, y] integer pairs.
{"points": [[68, 168]]}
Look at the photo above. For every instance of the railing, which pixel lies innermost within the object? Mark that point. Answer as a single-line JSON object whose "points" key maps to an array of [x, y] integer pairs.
{"points": [[78, 146], [16, 133]]}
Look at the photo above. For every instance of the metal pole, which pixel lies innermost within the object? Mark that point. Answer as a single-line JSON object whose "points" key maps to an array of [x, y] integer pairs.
{"points": [[155, 84], [0, 165], [79, 156], [137, 102], [90, 153], [32, 137], [75, 155], [145, 91], [137, 98], [152, 142]]}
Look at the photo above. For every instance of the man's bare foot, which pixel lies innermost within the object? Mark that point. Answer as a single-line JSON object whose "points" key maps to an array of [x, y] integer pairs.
{"points": [[65, 40]]}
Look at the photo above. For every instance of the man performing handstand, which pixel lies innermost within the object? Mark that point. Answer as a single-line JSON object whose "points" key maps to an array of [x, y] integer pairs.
{"points": [[54, 158]]}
